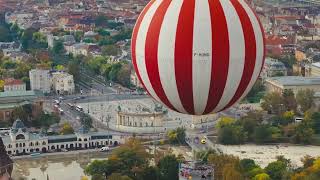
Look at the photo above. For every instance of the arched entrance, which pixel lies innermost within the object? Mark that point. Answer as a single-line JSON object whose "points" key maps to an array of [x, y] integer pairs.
{"points": [[115, 143], [44, 150], [71, 146]]}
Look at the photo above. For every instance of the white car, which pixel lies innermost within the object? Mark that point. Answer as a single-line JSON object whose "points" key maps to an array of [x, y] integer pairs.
{"points": [[104, 149]]}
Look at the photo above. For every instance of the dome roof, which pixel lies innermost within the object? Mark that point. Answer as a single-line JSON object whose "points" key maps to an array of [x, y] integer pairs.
{"points": [[83, 130], [18, 124]]}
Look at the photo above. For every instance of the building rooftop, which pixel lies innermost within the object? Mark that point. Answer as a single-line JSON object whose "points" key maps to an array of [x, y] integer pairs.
{"points": [[11, 81], [19, 94], [62, 137], [295, 80], [317, 64]]}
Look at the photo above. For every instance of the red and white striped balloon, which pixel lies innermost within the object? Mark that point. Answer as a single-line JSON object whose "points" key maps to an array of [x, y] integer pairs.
{"points": [[198, 56]]}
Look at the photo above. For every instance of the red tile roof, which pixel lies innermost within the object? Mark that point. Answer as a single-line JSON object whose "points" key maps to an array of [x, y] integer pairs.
{"points": [[11, 81], [278, 40]]}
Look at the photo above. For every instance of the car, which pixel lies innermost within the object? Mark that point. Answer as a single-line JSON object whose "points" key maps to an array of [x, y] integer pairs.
{"points": [[105, 149], [57, 102], [61, 111], [203, 141]]}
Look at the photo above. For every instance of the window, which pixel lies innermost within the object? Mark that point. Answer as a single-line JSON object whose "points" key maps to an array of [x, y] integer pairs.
{"points": [[20, 136]]}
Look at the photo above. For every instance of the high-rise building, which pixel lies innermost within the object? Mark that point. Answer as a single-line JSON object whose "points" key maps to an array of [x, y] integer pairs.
{"points": [[40, 80]]}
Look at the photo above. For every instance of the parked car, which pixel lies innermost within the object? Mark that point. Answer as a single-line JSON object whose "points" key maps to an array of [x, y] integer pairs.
{"points": [[105, 149]]}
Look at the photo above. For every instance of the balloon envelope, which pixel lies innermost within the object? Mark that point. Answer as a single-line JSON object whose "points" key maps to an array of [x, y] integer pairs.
{"points": [[198, 56]]}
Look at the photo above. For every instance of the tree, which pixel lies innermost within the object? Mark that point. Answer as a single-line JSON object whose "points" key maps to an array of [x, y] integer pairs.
{"points": [[307, 161], [225, 121], [315, 119], [168, 168], [110, 50], [97, 168], [123, 76], [59, 67], [97, 177], [113, 74], [273, 102], [150, 173], [5, 35], [22, 70], [66, 129], [1, 85], [45, 120], [289, 100], [262, 176], [276, 169], [220, 161], [86, 120], [74, 69], [249, 124], [303, 133], [118, 176], [305, 99], [255, 171], [288, 116], [232, 134], [230, 172], [20, 113], [27, 38], [177, 136], [262, 134], [101, 20], [58, 47], [257, 87], [26, 80], [246, 165]]}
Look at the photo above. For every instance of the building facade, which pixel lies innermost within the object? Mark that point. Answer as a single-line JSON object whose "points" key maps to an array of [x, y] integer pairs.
{"points": [[14, 85], [295, 83], [63, 83], [315, 69], [273, 67], [140, 122], [12, 99], [20, 141], [40, 80]]}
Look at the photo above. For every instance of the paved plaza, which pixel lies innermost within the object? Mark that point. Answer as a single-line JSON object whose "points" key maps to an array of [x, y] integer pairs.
{"points": [[106, 112]]}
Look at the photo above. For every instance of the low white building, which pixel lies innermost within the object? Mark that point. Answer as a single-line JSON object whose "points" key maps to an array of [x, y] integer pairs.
{"points": [[40, 80], [63, 83], [295, 83], [20, 141], [11, 84]]}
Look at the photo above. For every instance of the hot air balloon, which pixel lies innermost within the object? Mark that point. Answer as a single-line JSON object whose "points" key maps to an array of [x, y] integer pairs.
{"points": [[198, 56]]}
